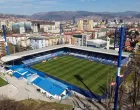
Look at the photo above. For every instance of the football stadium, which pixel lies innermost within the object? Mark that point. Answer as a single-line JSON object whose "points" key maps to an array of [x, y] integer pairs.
{"points": [[64, 69]]}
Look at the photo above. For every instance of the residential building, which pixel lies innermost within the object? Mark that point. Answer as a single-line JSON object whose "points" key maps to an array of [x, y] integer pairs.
{"points": [[80, 25], [79, 39], [85, 25], [38, 42], [2, 48]]}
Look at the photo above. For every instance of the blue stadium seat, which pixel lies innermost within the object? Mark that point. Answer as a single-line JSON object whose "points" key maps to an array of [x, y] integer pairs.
{"points": [[50, 86], [17, 75]]}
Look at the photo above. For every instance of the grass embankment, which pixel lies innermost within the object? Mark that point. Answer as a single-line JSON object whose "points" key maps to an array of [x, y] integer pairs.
{"points": [[2, 82]]}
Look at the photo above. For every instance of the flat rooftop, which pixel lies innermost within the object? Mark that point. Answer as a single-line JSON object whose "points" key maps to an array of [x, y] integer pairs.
{"points": [[97, 41], [36, 51]]}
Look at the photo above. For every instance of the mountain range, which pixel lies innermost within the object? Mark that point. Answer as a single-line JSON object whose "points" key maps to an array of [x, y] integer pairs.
{"points": [[69, 15]]}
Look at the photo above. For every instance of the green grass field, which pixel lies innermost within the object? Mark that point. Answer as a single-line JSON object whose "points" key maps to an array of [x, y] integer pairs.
{"points": [[80, 72], [2, 82]]}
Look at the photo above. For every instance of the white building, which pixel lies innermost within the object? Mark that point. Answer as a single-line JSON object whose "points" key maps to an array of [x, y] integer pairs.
{"points": [[96, 43], [3, 23], [37, 43], [20, 27], [21, 30], [10, 24], [108, 43], [101, 33], [52, 28], [35, 28], [18, 39]]}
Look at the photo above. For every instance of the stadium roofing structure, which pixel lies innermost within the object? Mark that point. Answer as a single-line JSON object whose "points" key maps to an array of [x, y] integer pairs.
{"points": [[19, 55]]}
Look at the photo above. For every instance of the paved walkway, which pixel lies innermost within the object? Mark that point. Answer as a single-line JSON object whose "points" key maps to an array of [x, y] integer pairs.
{"points": [[8, 91], [20, 90]]}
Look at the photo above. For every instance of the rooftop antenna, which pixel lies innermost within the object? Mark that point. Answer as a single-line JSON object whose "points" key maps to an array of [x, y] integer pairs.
{"points": [[6, 45]]}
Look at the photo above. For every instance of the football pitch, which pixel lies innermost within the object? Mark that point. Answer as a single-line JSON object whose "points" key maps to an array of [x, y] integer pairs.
{"points": [[83, 73]]}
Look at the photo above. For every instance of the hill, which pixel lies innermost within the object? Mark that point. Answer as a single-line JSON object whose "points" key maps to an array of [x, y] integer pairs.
{"points": [[68, 15], [8, 104], [2, 15]]}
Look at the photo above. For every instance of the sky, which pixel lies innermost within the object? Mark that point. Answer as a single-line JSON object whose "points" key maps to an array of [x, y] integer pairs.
{"points": [[29, 7]]}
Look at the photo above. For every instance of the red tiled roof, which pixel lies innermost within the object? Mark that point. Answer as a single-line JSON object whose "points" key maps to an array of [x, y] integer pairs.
{"points": [[17, 35], [127, 43]]}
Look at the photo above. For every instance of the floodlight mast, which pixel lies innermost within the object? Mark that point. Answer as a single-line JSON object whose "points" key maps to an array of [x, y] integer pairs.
{"points": [[61, 33], [6, 45], [122, 33]]}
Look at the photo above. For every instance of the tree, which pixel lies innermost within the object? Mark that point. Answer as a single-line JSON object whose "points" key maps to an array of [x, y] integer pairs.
{"points": [[130, 88], [135, 65]]}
